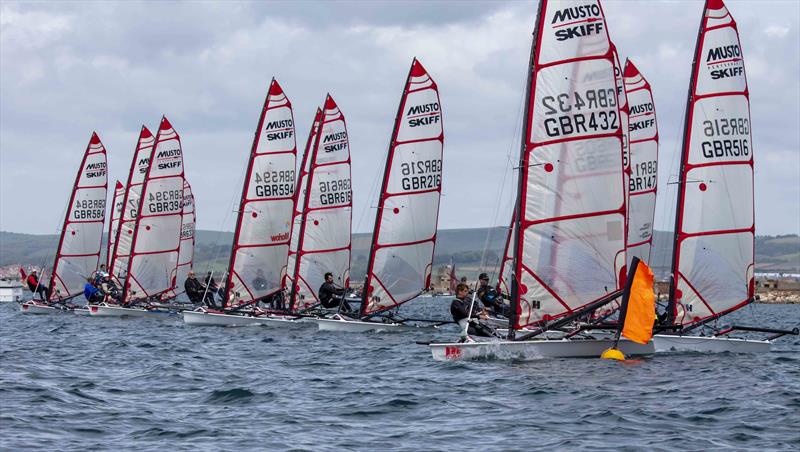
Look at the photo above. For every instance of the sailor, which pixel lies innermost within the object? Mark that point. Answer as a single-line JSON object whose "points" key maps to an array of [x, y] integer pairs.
{"points": [[99, 274], [195, 290], [212, 285], [489, 296], [35, 287], [460, 310], [108, 287], [331, 296], [92, 293]]}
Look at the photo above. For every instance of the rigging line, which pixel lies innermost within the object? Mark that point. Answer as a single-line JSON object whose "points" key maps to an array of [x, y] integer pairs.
{"points": [[371, 194]]}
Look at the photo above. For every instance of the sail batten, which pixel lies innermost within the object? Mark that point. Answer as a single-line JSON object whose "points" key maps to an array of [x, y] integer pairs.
{"points": [[713, 258], [152, 265], [78, 252], [324, 235], [263, 225], [569, 246], [401, 256]]}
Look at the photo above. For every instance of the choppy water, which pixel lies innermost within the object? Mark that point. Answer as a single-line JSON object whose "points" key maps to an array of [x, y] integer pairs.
{"points": [[75, 383]]}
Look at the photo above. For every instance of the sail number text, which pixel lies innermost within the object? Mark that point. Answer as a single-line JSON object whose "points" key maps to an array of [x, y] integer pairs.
{"points": [[728, 137], [421, 175], [334, 192], [274, 183], [89, 209], [643, 176], [571, 117], [165, 201]]}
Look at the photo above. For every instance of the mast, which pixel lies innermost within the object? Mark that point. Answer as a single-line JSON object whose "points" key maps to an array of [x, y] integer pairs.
{"points": [[152, 266], [300, 193], [78, 252], [571, 217], [713, 258], [263, 225], [624, 121], [404, 236], [324, 242], [113, 225]]}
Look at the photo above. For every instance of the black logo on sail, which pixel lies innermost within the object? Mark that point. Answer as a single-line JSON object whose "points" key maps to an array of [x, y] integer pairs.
{"points": [[725, 61], [577, 21]]}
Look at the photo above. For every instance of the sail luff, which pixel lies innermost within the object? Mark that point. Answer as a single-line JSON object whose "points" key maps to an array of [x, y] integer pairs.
{"points": [[624, 121], [153, 262], [643, 155], [87, 211], [263, 225], [326, 247], [404, 237], [298, 203], [572, 204], [113, 225], [713, 259], [187, 241]]}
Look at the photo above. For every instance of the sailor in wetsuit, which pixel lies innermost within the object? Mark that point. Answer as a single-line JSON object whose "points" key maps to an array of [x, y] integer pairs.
{"points": [[331, 296], [460, 308], [490, 297]]}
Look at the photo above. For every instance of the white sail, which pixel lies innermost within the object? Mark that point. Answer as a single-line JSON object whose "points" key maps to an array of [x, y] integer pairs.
{"points": [[113, 225], [507, 264], [133, 189], [186, 252], [78, 250], [156, 240], [299, 204], [572, 197], [713, 258], [263, 227], [401, 256], [643, 179], [622, 100], [324, 239]]}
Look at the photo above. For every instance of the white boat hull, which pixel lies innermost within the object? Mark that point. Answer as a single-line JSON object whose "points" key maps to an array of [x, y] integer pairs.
{"points": [[357, 326], [30, 307], [119, 311], [532, 350], [81, 311], [665, 343], [202, 318]]}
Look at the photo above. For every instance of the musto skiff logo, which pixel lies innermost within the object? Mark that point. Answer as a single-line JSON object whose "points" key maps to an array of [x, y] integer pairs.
{"points": [[96, 169], [269, 184], [170, 158], [423, 115], [421, 175], [89, 209], [577, 22], [333, 142], [334, 192], [279, 130], [725, 62], [642, 116]]}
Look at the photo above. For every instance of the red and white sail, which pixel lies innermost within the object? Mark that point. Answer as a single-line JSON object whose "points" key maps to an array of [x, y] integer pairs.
{"points": [[299, 204], [643, 155], [133, 189], [113, 225], [572, 197], [186, 252], [263, 227], [715, 226], [153, 261], [401, 257], [324, 241], [622, 100], [78, 252], [507, 264]]}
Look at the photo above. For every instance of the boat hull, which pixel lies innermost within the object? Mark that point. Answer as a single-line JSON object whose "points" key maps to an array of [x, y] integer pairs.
{"points": [[533, 350], [203, 318], [357, 326], [32, 307], [119, 311], [665, 343]]}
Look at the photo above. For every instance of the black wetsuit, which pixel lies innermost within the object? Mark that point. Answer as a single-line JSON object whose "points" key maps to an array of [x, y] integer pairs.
{"points": [[331, 296], [459, 309], [491, 299], [195, 290]]}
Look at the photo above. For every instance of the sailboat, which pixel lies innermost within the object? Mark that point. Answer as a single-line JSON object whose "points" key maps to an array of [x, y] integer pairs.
{"points": [[713, 256], [401, 255], [150, 269], [263, 226], [113, 225], [186, 251], [78, 252], [568, 246]]}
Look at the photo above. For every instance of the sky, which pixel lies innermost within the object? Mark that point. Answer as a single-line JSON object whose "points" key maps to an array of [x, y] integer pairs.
{"points": [[70, 68]]}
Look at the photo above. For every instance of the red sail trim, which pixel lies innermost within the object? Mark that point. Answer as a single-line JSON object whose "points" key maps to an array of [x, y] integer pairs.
{"points": [[94, 140], [699, 295], [416, 70], [529, 147], [274, 90], [527, 223], [680, 236], [547, 288], [144, 133], [327, 250], [163, 126], [418, 192]]}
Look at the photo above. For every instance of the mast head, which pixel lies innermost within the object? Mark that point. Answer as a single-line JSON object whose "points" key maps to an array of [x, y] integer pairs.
{"points": [[119, 185], [275, 88], [630, 70], [417, 70], [95, 139], [145, 132], [330, 104], [165, 124]]}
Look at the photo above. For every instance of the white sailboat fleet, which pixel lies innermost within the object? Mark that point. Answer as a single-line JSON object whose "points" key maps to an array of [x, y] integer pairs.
{"points": [[581, 232]]}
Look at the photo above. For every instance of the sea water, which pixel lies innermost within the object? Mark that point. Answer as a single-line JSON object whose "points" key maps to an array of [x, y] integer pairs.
{"points": [[75, 383]]}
